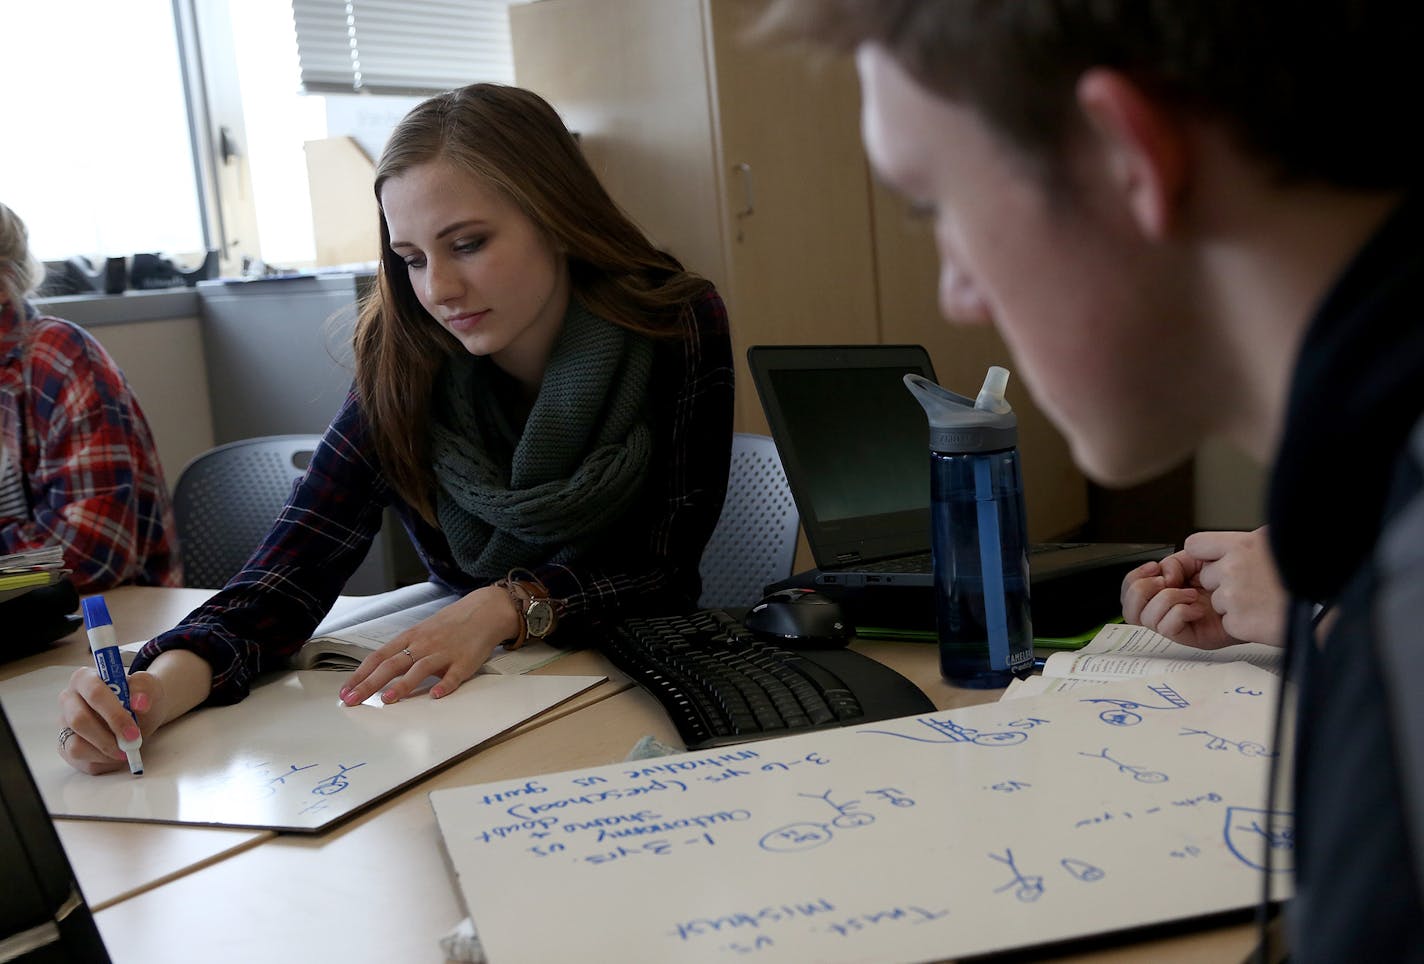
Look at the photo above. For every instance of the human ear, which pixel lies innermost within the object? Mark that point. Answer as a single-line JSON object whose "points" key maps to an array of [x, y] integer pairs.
{"points": [[1143, 144]]}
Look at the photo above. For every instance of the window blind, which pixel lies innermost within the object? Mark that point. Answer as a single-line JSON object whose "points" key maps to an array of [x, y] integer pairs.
{"points": [[401, 46]]}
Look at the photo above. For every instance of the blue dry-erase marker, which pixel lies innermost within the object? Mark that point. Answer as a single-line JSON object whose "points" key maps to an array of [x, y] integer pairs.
{"points": [[111, 668]]}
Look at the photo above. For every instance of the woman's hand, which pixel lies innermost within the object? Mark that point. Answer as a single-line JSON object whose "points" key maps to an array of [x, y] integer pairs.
{"points": [[452, 644], [176, 682], [1221, 589], [89, 708]]}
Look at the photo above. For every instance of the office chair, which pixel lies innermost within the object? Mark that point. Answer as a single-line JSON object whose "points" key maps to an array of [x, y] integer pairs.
{"points": [[754, 543], [227, 499]]}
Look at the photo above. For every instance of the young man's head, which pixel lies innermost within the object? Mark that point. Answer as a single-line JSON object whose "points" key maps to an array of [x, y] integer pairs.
{"points": [[1147, 197]]}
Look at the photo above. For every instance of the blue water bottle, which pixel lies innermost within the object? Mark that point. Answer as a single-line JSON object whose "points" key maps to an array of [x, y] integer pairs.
{"points": [[979, 533]]}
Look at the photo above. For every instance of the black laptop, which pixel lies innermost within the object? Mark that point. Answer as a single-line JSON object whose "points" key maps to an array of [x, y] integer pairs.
{"points": [[43, 916], [855, 448]]}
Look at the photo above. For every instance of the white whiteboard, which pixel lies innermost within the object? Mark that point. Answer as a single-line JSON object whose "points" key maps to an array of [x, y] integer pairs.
{"points": [[289, 757], [948, 834]]}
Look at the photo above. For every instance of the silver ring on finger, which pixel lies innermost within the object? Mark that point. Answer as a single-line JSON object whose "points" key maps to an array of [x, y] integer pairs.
{"points": [[409, 654], [64, 736]]}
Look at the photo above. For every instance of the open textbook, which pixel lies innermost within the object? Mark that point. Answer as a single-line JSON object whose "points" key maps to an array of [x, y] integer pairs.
{"points": [[341, 641], [1120, 651], [345, 638]]}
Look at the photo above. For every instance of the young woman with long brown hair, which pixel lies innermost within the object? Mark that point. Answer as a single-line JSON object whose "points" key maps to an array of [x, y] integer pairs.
{"points": [[544, 397]]}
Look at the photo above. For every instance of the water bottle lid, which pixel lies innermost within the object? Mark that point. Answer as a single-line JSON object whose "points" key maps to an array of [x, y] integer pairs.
{"points": [[957, 424]]}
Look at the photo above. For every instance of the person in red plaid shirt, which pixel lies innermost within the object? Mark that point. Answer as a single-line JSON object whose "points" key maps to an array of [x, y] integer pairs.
{"points": [[78, 467]]}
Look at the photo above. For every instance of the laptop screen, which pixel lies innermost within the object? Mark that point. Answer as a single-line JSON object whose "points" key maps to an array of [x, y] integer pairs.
{"points": [[853, 442], [882, 427]]}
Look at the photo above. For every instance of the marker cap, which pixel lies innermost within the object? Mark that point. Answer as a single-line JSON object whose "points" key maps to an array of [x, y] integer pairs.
{"points": [[96, 612]]}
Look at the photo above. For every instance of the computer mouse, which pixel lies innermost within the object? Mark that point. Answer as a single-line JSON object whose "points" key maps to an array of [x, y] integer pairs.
{"points": [[800, 619]]}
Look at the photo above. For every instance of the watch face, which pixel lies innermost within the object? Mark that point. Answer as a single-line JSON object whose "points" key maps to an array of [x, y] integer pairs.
{"points": [[539, 617]]}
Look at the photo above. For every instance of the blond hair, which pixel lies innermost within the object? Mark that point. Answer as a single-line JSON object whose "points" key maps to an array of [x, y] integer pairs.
{"points": [[20, 271]]}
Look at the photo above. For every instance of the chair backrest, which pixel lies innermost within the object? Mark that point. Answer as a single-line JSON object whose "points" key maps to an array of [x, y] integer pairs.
{"points": [[227, 499], [754, 543]]}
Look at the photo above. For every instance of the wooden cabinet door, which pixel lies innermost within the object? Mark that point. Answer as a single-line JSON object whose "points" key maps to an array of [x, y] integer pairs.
{"points": [[630, 78], [796, 211]]}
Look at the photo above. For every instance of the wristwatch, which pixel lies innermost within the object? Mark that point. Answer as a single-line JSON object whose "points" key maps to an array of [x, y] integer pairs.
{"points": [[538, 614]]}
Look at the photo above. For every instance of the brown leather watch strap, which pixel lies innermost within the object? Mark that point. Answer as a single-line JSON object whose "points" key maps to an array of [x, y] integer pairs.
{"points": [[541, 613], [520, 604], [531, 600]]}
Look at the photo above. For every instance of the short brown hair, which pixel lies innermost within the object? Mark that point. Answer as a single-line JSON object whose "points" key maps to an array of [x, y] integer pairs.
{"points": [[1321, 89]]}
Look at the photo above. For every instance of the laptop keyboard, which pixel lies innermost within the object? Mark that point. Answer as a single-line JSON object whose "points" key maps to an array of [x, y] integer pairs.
{"points": [[721, 685], [924, 562], [919, 562], [1038, 547]]}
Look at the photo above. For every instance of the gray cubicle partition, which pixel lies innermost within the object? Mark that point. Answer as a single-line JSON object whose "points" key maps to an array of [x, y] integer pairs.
{"points": [[278, 353], [278, 357]]}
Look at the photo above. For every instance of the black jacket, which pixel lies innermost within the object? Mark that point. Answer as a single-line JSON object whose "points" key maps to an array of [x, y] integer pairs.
{"points": [[1347, 526]]}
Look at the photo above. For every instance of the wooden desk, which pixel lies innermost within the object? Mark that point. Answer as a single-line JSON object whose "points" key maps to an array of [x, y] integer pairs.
{"points": [[378, 887], [115, 861], [139, 612], [381, 880], [919, 663]]}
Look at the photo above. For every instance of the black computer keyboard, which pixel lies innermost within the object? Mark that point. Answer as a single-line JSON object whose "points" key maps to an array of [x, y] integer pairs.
{"points": [[721, 685]]}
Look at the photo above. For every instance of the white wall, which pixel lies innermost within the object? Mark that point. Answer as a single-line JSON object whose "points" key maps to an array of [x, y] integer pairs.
{"points": [[163, 361], [1230, 488]]}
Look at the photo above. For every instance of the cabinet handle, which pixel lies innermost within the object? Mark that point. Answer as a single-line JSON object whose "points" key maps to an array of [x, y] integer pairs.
{"points": [[749, 206]]}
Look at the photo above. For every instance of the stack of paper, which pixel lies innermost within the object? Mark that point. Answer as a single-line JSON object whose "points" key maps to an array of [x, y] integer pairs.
{"points": [[22, 571]]}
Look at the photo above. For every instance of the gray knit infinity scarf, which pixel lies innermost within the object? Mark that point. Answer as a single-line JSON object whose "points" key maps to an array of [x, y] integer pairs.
{"points": [[507, 498]]}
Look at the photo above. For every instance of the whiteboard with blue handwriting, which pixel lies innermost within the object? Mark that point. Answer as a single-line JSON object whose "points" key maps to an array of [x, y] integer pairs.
{"points": [[953, 833], [289, 757]]}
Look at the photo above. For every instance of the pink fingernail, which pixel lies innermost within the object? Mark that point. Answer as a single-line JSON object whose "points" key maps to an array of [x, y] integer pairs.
{"points": [[436, 693], [345, 692], [140, 702], [131, 732], [389, 696]]}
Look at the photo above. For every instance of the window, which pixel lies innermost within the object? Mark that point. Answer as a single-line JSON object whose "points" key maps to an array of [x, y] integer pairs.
{"points": [[100, 129], [277, 120], [392, 46], [98, 158]]}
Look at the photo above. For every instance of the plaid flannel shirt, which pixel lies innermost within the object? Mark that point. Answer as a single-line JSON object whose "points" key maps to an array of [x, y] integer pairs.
{"points": [[88, 464], [649, 560]]}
